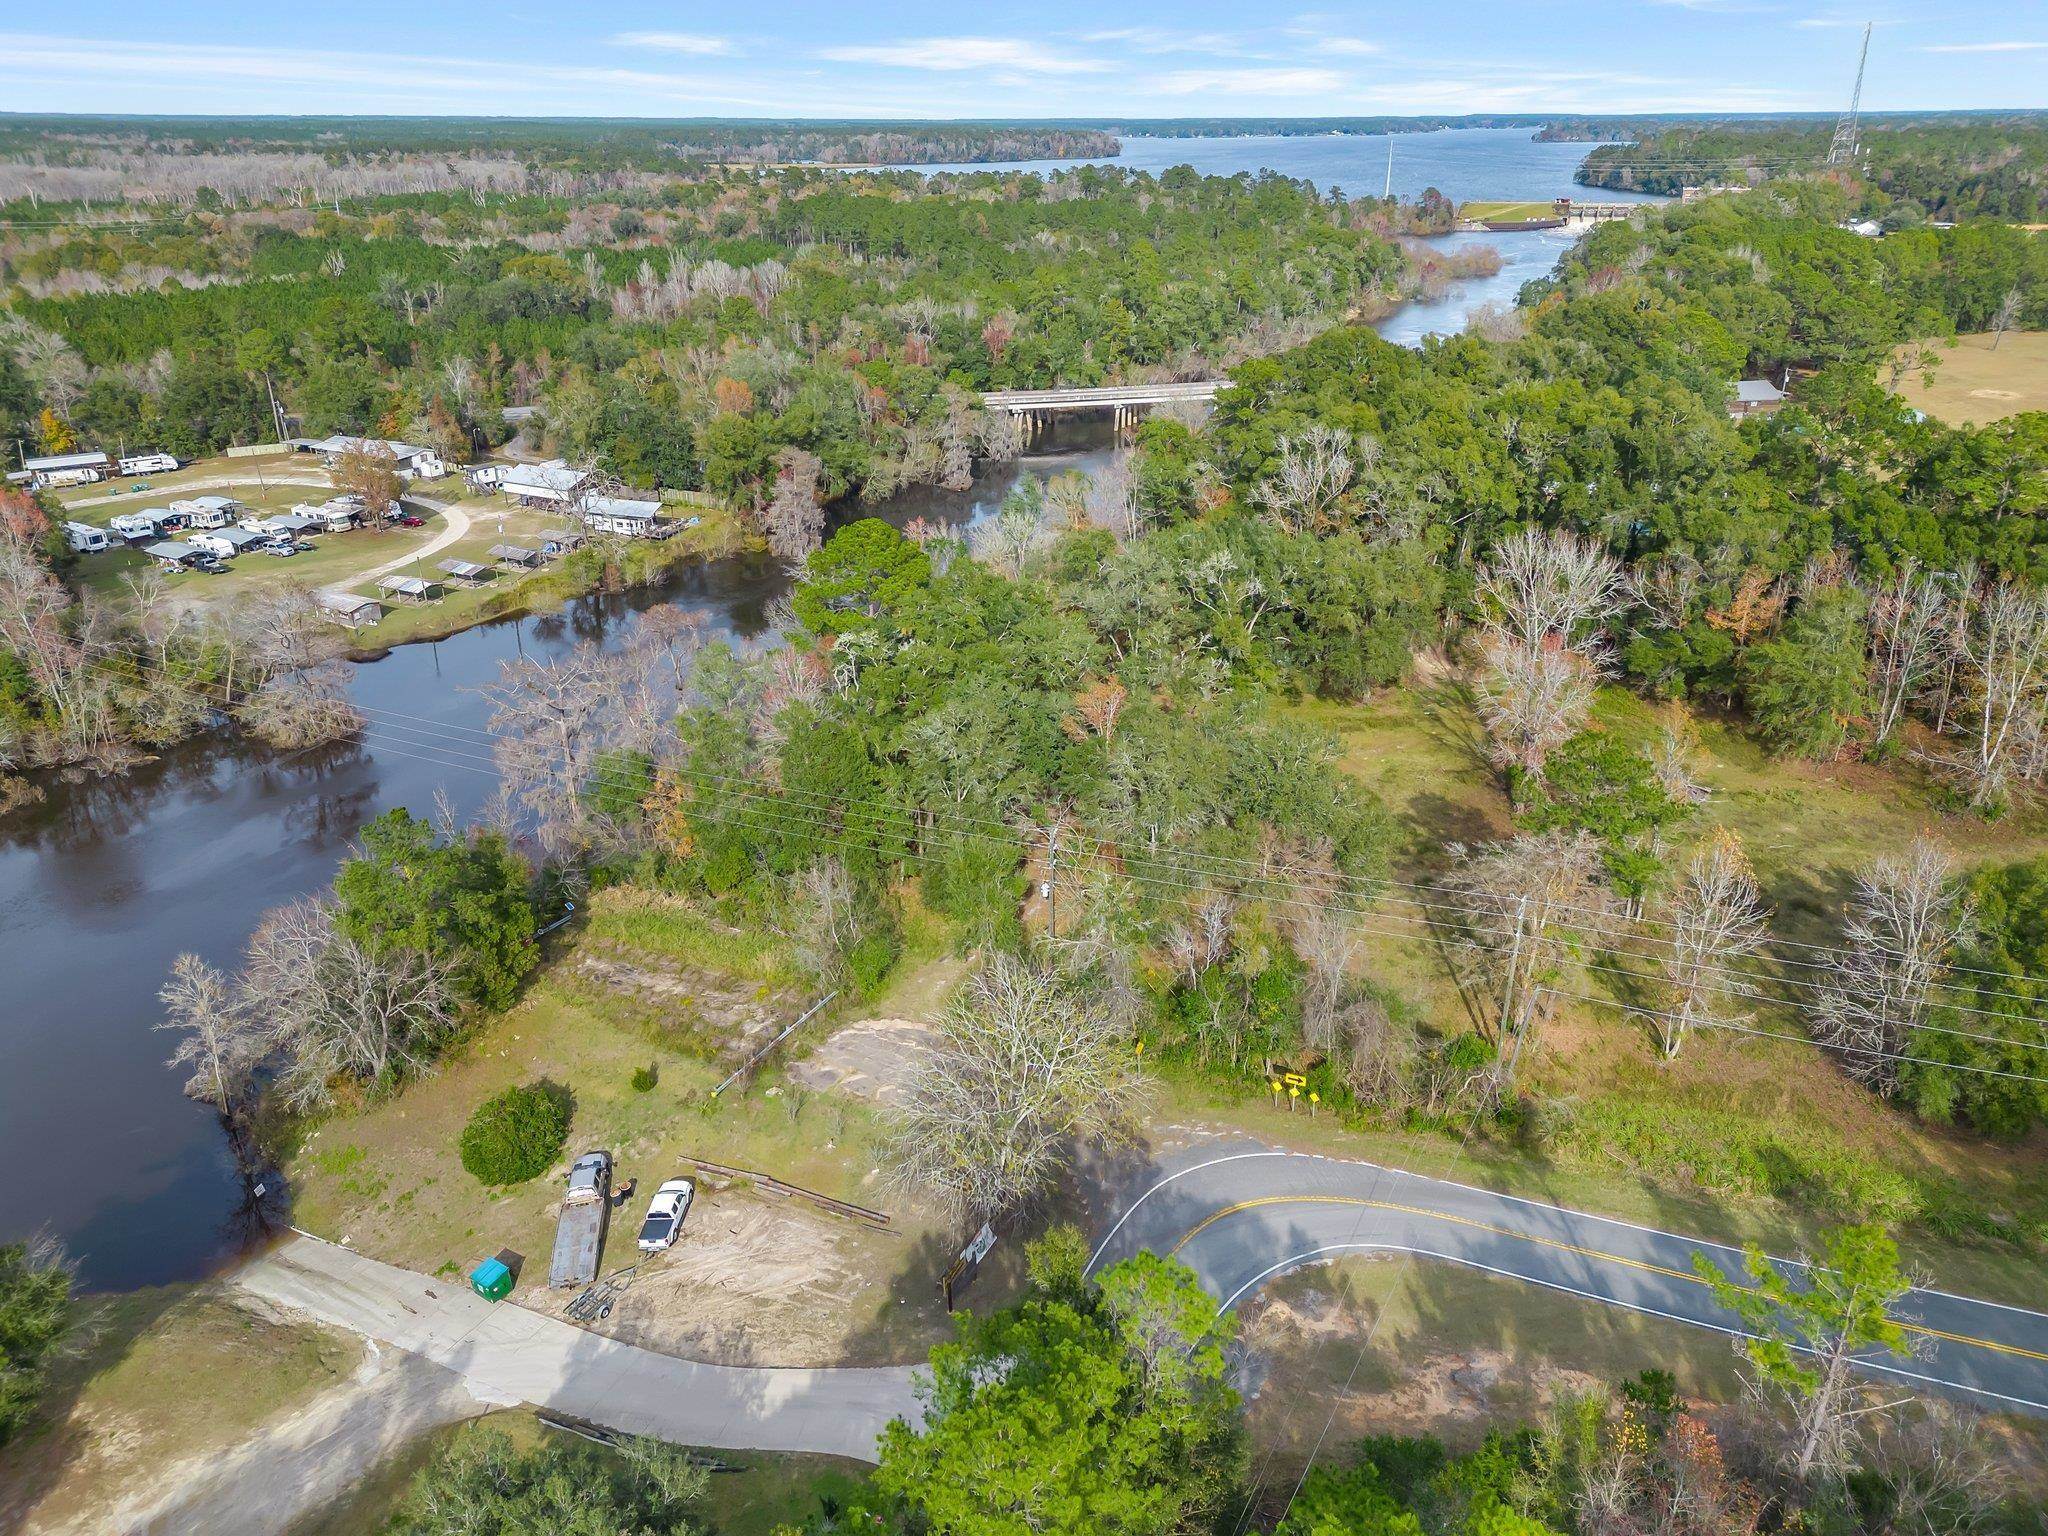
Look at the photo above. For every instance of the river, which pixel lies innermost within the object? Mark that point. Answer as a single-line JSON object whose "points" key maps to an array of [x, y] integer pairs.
{"points": [[109, 879], [1465, 164]]}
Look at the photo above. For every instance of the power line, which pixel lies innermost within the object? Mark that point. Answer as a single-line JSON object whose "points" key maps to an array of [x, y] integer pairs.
{"points": [[775, 812], [1460, 903]]}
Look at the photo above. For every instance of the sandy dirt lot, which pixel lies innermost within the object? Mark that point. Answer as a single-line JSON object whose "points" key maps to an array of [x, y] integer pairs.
{"points": [[1975, 384], [752, 1281], [875, 1059]]}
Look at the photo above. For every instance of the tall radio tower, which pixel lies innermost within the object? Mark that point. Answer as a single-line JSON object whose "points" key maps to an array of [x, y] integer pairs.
{"points": [[1842, 150]]}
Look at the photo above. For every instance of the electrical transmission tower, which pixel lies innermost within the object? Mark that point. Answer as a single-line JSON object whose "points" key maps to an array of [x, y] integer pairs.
{"points": [[1842, 151]]}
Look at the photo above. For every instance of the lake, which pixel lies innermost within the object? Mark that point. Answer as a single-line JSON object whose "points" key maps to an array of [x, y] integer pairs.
{"points": [[111, 878]]}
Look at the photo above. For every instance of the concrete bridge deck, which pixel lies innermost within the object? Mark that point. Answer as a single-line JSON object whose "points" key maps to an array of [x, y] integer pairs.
{"points": [[1105, 397]]}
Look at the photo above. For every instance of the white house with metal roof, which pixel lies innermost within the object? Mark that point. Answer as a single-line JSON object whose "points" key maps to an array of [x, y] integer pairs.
{"points": [[412, 463], [555, 483], [628, 515]]}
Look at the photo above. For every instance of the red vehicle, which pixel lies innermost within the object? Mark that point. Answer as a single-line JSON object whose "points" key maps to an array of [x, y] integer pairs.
{"points": [[410, 520]]}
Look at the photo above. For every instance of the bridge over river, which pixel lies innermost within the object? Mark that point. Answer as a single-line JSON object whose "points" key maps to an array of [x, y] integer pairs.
{"points": [[1125, 401]]}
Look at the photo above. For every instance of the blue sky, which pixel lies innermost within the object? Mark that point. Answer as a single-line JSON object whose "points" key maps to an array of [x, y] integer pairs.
{"points": [[1058, 58]]}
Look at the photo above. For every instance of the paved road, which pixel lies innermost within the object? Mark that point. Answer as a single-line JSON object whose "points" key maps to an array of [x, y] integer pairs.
{"points": [[1242, 1215], [505, 1353]]}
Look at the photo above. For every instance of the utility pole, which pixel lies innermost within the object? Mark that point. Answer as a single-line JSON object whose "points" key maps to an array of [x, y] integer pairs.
{"points": [[1507, 994], [1051, 885], [1842, 149], [1388, 194]]}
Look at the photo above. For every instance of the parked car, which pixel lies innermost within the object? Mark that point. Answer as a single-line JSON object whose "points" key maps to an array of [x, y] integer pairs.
{"points": [[410, 520], [665, 1213], [283, 550], [212, 565]]}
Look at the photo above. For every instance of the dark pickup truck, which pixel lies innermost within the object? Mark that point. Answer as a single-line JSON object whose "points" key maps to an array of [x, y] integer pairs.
{"points": [[579, 1234]]}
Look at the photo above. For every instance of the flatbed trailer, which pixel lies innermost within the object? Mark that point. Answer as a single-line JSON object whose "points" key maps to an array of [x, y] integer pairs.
{"points": [[579, 1233]]}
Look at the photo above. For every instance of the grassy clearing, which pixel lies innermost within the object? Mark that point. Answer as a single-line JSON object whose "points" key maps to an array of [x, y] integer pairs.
{"points": [[763, 1491], [719, 534], [673, 929], [1739, 1139], [387, 1180], [1974, 384], [163, 1375], [1386, 1346], [1506, 210]]}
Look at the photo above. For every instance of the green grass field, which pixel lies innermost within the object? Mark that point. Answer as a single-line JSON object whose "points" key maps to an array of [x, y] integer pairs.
{"points": [[154, 1377], [1501, 210], [1973, 384]]}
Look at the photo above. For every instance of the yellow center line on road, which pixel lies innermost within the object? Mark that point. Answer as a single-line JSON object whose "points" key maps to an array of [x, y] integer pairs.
{"points": [[1548, 1242]]}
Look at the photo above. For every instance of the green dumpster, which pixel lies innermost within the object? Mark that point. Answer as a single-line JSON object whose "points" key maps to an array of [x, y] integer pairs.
{"points": [[491, 1280]]}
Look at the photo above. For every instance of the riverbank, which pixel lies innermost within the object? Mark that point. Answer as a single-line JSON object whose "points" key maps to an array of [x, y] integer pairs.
{"points": [[611, 566]]}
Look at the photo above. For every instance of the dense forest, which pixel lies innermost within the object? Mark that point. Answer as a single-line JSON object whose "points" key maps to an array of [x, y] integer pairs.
{"points": [[1944, 167], [686, 338], [569, 144]]}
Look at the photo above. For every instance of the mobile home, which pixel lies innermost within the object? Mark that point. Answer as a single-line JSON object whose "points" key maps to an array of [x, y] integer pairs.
{"points": [[207, 511], [627, 515], [84, 538], [148, 523], [148, 464], [226, 543], [553, 484], [58, 469]]}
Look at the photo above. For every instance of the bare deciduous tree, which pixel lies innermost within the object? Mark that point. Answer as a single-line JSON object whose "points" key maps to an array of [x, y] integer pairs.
{"points": [[1905, 920], [1028, 1062], [1109, 499], [1327, 941], [1531, 698], [300, 685], [1522, 903], [2002, 655], [334, 1010], [552, 721], [795, 516], [1539, 596], [221, 1040], [1908, 618], [2006, 316], [677, 633], [1549, 588], [821, 920], [1017, 531], [1379, 1052], [1717, 918], [370, 474], [1315, 470]]}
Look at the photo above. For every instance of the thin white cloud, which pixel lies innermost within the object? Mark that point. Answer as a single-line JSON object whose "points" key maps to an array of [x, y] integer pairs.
{"points": [[2010, 46], [197, 65], [697, 43], [960, 53], [1227, 45], [1245, 82]]}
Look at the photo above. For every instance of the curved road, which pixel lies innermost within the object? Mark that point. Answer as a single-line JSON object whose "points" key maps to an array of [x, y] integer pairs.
{"points": [[506, 1354], [1240, 1215], [1243, 1215]]}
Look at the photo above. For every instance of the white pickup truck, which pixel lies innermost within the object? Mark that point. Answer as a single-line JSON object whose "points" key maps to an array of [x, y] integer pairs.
{"points": [[579, 1233]]}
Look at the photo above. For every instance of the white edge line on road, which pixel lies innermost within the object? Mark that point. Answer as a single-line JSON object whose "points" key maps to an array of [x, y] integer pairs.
{"points": [[1540, 1205], [1301, 1260], [1235, 1157]]}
